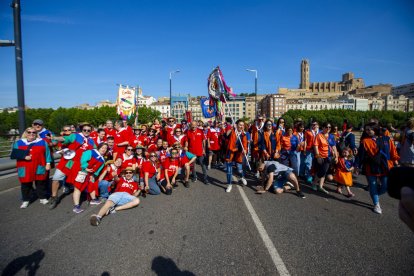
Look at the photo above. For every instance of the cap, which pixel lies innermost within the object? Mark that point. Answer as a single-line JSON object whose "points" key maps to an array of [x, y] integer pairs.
{"points": [[136, 127], [38, 121], [81, 125], [183, 121], [140, 146]]}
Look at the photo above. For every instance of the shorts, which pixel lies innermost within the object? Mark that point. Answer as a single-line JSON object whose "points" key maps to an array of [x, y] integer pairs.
{"points": [[59, 175], [121, 198], [281, 179]]}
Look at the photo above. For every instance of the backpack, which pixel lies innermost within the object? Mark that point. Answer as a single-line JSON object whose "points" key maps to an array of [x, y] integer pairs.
{"points": [[379, 162], [342, 144]]}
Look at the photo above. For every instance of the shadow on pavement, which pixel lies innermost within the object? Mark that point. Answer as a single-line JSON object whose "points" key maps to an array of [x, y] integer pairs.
{"points": [[166, 266], [30, 263]]}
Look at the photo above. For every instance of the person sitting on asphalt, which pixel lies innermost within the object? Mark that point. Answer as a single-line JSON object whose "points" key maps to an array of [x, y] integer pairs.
{"points": [[186, 159], [125, 197], [106, 179], [276, 175], [169, 172], [151, 170]]}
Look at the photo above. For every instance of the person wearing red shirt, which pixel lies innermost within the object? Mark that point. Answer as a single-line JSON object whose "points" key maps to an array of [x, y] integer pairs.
{"points": [[125, 197], [106, 179], [169, 172], [152, 174], [178, 137], [138, 138], [128, 158], [122, 139], [168, 130], [214, 144], [163, 152], [109, 129], [195, 138], [100, 137], [186, 159]]}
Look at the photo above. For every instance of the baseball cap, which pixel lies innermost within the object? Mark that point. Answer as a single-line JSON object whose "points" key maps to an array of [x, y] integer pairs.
{"points": [[38, 121]]}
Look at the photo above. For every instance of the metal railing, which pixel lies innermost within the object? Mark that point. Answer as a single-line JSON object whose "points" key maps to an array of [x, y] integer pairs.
{"points": [[6, 144]]}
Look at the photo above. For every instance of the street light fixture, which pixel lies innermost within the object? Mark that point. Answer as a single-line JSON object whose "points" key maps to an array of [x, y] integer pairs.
{"points": [[255, 91], [171, 73]]}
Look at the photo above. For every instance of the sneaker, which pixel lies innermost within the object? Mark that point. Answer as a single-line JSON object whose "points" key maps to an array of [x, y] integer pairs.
{"points": [[53, 202], [377, 209], [175, 185], [24, 205], [77, 209], [44, 201], [206, 182], [300, 194], [111, 210], [209, 167], [229, 187], [194, 179], [321, 189], [257, 175], [309, 179], [186, 184], [314, 187], [289, 184], [95, 220], [95, 202], [243, 181]]}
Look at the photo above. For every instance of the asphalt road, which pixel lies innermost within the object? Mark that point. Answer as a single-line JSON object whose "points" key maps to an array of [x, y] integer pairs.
{"points": [[205, 231]]}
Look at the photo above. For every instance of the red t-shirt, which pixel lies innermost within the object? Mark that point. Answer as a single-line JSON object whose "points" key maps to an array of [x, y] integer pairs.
{"points": [[110, 132], [127, 161], [123, 135], [150, 168], [127, 186], [195, 141], [171, 165], [214, 139]]}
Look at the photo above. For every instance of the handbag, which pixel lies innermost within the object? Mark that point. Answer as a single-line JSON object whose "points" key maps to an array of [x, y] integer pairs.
{"points": [[81, 176], [20, 154]]}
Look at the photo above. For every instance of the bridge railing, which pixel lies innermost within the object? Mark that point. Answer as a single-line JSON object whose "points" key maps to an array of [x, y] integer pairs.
{"points": [[6, 144]]}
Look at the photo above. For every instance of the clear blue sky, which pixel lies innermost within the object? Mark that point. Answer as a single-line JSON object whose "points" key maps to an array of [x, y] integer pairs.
{"points": [[76, 51]]}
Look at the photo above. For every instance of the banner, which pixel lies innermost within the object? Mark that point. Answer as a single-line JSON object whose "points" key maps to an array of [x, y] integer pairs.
{"points": [[207, 110], [126, 102]]}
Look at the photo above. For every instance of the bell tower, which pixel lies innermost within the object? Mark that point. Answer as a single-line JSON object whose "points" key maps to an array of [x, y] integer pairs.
{"points": [[304, 74]]}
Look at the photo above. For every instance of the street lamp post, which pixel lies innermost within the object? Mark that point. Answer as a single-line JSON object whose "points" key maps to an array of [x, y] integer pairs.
{"points": [[255, 91], [171, 73]]}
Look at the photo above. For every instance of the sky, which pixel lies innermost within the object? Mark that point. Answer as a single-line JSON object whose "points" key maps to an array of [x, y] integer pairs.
{"points": [[76, 51]]}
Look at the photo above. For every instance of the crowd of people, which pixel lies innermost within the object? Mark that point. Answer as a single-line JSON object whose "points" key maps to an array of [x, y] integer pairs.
{"points": [[117, 163]]}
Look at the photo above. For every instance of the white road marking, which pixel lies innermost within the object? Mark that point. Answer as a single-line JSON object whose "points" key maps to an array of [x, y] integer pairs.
{"points": [[9, 190], [277, 260]]}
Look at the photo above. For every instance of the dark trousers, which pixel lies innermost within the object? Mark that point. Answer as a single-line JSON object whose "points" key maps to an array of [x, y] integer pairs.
{"points": [[27, 189], [200, 160]]}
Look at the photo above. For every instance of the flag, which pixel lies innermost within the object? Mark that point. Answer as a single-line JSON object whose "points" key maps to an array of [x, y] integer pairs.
{"points": [[126, 102], [207, 110]]}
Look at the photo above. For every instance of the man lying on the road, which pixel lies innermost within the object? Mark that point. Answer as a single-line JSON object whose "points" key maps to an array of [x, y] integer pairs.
{"points": [[276, 175], [125, 197]]}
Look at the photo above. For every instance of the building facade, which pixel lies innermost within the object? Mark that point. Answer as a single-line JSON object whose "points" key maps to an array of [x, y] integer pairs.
{"points": [[273, 105], [323, 104], [162, 107], [406, 89]]}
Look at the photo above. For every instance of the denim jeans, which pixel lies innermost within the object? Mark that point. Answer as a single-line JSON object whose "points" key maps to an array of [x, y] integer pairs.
{"points": [[154, 189], [306, 164], [294, 159], [200, 160], [375, 190], [103, 188], [229, 166]]}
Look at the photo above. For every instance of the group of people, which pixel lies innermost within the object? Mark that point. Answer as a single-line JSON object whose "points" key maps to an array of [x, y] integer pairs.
{"points": [[118, 163]]}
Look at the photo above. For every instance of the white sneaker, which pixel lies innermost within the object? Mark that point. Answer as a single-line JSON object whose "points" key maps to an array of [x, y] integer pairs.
{"points": [[244, 181], [257, 175], [377, 209], [44, 201], [229, 187], [24, 205], [209, 167]]}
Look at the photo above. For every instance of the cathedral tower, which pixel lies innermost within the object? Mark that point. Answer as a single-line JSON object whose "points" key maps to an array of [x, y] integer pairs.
{"points": [[304, 74]]}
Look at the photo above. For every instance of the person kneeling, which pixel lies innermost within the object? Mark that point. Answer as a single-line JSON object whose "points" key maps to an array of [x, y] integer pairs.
{"points": [[125, 197], [277, 175]]}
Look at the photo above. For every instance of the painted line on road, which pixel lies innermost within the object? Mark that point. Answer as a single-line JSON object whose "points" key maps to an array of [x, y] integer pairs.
{"points": [[9, 190], [277, 260], [69, 223], [7, 176]]}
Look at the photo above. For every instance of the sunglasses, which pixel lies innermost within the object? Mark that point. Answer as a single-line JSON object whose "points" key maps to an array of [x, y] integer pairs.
{"points": [[86, 130], [36, 124], [328, 127], [269, 124], [66, 130], [153, 155], [171, 121], [178, 130], [129, 173], [31, 132], [174, 153]]}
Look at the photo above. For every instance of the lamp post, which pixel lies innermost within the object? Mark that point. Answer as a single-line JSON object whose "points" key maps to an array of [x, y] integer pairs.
{"points": [[255, 91], [171, 73]]}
